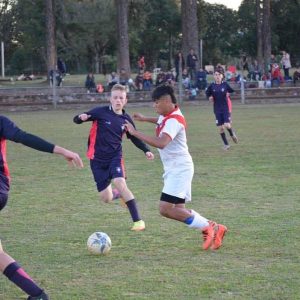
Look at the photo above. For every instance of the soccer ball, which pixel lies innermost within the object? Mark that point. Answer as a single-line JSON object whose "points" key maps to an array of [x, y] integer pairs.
{"points": [[99, 243]]}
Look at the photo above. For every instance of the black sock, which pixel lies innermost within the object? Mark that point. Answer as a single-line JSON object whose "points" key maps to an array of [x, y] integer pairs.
{"points": [[230, 131], [132, 207], [223, 136], [21, 279]]}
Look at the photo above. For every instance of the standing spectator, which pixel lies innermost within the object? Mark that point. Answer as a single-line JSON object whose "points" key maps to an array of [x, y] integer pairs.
{"points": [[245, 65], [191, 62], [61, 66], [141, 63], [171, 142], [177, 59], [286, 64], [90, 83]]}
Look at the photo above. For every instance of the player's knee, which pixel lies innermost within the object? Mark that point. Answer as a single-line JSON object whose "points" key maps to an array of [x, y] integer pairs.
{"points": [[164, 211], [3, 200], [105, 199]]}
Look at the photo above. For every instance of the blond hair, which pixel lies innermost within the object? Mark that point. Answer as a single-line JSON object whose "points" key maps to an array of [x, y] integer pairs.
{"points": [[118, 87]]}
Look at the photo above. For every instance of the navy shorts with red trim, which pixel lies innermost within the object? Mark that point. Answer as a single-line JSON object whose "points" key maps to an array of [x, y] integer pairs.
{"points": [[104, 172]]}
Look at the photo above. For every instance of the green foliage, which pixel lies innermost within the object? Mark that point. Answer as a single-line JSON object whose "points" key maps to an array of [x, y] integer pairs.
{"points": [[253, 189]]}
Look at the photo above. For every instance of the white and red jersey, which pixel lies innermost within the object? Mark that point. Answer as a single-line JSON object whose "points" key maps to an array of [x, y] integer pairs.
{"points": [[176, 159]]}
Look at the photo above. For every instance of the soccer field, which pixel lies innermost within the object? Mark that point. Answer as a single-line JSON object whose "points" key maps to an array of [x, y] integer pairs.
{"points": [[254, 188]]}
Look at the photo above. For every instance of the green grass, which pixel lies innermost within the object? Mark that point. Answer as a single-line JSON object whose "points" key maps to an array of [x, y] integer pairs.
{"points": [[253, 189]]}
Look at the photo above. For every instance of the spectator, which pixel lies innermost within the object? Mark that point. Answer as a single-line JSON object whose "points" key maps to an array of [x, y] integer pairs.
{"points": [[286, 64], [296, 75], [191, 62], [90, 83], [186, 79], [201, 81], [170, 78], [244, 61], [61, 66], [147, 81], [179, 57], [276, 76], [139, 80], [160, 78], [255, 71], [141, 63], [58, 77], [123, 78], [113, 79]]}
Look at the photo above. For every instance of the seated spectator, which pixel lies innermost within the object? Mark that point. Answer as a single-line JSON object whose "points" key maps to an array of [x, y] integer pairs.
{"points": [[160, 78], [186, 79], [113, 79], [201, 81], [123, 78], [276, 76], [58, 77], [147, 81], [99, 88], [230, 74], [170, 78], [139, 81], [296, 75], [90, 83], [255, 71]]}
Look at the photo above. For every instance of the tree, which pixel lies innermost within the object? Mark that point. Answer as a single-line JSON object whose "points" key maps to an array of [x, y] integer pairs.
{"points": [[266, 34], [50, 36], [189, 20], [122, 33]]}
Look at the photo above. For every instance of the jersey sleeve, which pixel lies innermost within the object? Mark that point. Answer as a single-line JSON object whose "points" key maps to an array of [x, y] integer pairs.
{"points": [[172, 127], [229, 88], [208, 91], [8, 129]]}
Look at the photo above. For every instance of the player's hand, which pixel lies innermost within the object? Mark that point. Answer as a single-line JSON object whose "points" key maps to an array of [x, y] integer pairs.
{"points": [[129, 127], [138, 117], [211, 98], [84, 117], [149, 155], [72, 157]]}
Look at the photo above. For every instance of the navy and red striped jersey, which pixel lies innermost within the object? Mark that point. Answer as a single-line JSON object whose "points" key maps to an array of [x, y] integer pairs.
{"points": [[219, 93], [106, 133]]}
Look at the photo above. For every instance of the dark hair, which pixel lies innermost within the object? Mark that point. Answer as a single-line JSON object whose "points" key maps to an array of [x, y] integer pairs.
{"points": [[164, 90]]}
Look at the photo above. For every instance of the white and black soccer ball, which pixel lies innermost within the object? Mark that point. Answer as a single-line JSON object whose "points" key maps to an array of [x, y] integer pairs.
{"points": [[99, 243]]}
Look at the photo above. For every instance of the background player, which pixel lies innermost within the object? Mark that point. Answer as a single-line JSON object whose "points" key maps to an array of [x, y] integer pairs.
{"points": [[178, 166], [105, 150], [217, 92], [9, 131]]}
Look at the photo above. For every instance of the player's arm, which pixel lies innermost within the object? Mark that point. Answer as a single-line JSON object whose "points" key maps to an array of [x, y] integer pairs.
{"points": [[158, 142], [84, 117], [42, 145], [208, 93], [142, 118], [229, 88]]}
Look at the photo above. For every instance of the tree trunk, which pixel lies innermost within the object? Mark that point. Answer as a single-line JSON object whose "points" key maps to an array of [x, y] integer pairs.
{"points": [[50, 35], [259, 27], [123, 39], [190, 36], [266, 33]]}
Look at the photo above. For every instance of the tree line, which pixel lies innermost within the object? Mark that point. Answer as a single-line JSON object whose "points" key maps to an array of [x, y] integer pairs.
{"points": [[104, 35]]}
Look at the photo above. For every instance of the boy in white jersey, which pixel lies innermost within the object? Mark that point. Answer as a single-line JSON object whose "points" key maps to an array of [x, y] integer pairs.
{"points": [[178, 166]]}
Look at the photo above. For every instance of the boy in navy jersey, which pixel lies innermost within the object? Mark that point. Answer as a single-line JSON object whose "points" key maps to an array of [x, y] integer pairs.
{"points": [[105, 150], [9, 131], [217, 92]]}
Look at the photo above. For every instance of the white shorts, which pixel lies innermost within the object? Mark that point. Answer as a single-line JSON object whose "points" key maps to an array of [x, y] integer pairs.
{"points": [[178, 180]]}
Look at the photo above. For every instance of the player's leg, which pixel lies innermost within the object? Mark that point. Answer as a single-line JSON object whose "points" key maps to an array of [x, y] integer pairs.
{"points": [[227, 125], [126, 194], [10, 268], [220, 125]]}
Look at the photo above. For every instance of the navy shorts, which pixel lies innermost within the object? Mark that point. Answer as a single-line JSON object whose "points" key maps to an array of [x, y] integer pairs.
{"points": [[3, 200], [222, 118], [104, 172]]}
